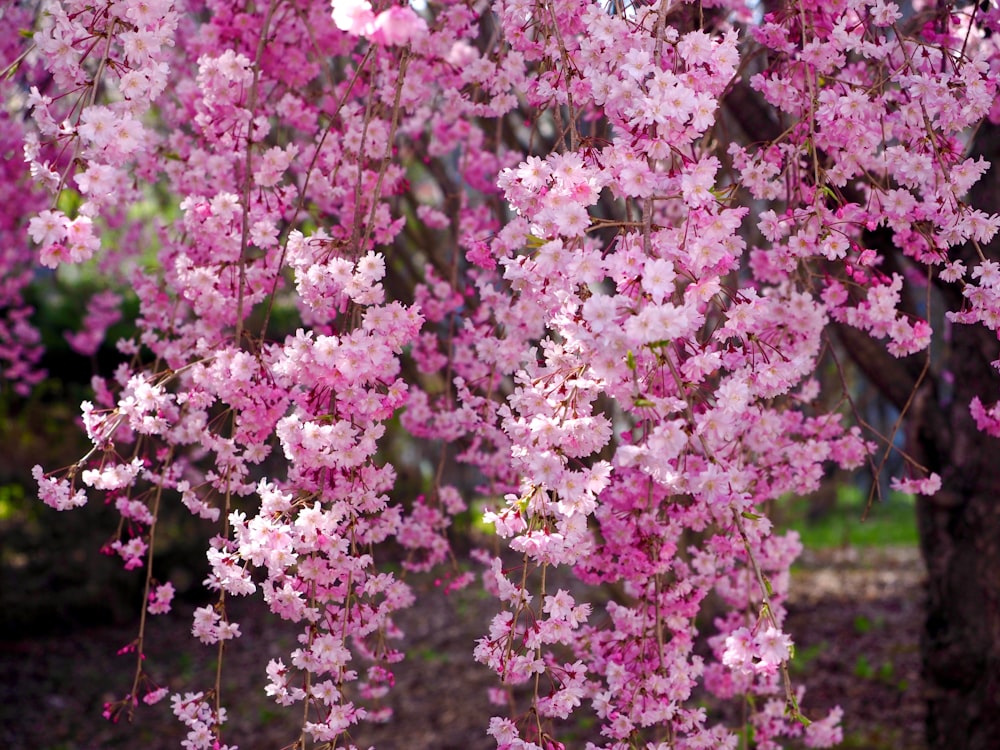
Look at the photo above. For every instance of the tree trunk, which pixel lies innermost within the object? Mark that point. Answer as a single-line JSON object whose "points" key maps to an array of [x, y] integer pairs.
{"points": [[960, 526], [960, 541]]}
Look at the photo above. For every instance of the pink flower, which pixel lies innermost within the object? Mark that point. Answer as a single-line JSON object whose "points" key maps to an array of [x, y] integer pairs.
{"points": [[697, 183], [48, 228], [205, 627], [645, 324], [51, 256], [397, 25], [353, 16], [160, 599], [927, 486], [132, 552], [826, 732], [740, 651], [155, 696], [772, 646], [57, 493], [97, 125]]}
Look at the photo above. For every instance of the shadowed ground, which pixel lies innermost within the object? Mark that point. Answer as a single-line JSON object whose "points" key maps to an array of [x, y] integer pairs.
{"points": [[855, 618]]}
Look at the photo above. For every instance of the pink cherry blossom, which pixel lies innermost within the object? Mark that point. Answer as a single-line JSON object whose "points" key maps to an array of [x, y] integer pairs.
{"points": [[393, 273]]}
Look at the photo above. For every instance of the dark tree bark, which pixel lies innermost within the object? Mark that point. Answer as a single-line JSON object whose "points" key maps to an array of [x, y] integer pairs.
{"points": [[960, 526], [960, 542]]}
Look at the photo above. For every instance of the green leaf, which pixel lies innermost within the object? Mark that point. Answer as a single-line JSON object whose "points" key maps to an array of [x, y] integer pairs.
{"points": [[69, 201], [863, 668], [886, 671]]}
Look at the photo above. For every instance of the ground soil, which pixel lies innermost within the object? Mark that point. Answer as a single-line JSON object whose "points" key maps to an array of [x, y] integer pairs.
{"points": [[855, 617]]}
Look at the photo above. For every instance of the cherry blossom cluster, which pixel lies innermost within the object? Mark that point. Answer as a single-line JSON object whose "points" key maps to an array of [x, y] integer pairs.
{"points": [[196, 713], [20, 349], [877, 141], [530, 243]]}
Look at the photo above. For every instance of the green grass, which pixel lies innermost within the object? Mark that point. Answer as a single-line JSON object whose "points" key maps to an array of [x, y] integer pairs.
{"points": [[889, 523], [11, 500], [804, 657]]}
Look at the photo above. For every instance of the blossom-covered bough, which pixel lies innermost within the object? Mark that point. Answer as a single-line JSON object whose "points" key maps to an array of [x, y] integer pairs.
{"points": [[595, 251]]}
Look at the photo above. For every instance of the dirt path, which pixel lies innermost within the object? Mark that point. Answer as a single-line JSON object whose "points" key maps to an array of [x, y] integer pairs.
{"points": [[857, 619]]}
